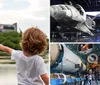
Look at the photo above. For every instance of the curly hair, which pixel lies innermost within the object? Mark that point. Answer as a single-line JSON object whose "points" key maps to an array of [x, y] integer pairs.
{"points": [[33, 41]]}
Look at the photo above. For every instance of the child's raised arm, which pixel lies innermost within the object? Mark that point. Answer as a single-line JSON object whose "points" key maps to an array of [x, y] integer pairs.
{"points": [[6, 49]]}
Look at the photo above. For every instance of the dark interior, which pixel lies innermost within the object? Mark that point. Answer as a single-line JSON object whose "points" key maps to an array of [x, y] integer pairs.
{"points": [[88, 5]]}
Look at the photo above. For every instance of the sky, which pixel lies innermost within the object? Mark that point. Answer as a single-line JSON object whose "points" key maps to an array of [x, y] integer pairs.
{"points": [[26, 13]]}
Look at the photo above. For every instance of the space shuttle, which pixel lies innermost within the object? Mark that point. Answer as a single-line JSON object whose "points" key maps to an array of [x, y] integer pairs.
{"points": [[72, 16], [63, 59]]}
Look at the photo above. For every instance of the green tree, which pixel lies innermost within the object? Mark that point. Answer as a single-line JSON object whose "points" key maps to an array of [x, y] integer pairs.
{"points": [[10, 39]]}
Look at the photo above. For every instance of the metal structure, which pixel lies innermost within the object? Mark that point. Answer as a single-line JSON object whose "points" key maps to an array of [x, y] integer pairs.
{"points": [[88, 5], [72, 17], [8, 27], [70, 22]]}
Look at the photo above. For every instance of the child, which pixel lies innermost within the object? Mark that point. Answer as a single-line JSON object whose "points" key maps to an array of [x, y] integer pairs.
{"points": [[29, 65]]}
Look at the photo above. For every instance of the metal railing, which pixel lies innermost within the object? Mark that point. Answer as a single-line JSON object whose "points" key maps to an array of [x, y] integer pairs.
{"points": [[74, 37]]}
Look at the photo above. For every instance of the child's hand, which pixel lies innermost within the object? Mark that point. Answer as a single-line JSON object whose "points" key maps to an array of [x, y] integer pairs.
{"points": [[5, 48], [0, 44]]}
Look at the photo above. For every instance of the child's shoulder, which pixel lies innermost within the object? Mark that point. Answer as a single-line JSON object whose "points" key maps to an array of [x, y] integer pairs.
{"points": [[17, 52], [38, 57]]}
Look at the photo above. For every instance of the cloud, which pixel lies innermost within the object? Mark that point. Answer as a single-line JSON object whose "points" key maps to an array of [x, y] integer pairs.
{"points": [[1, 4], [17, 16], [37, 10], [36, 13], [38, 5]]}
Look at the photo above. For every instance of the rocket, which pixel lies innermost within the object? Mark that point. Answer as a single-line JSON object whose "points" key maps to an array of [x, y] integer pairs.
{"points": [[63, 59]]}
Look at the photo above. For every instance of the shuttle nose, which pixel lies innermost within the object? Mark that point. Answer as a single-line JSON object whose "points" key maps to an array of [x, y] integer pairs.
{"points": [[51, 11], [60, 12]]}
